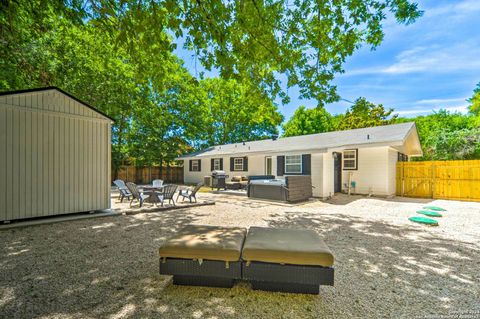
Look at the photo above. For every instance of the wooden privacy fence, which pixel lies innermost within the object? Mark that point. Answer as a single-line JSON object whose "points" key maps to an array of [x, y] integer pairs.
{"points": [[457, 180], [145, 175]]}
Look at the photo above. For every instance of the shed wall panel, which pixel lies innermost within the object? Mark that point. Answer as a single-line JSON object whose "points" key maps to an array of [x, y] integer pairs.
{"points": [[3, 164], [54, 156]]}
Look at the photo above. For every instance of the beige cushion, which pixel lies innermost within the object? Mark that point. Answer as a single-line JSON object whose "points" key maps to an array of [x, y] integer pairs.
{"points": [[236, 178], [205, 242], [286, 246]]}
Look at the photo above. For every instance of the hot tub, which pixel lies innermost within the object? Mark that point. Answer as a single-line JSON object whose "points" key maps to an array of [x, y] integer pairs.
{"points": [[272, 189]]}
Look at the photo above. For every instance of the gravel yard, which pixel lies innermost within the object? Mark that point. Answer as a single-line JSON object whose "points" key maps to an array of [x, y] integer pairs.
{"points": [[386, 266]]}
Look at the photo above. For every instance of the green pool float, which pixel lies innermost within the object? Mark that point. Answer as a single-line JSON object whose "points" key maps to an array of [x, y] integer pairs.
{"points": [[429, 213], [424, 220], [439, 209]]}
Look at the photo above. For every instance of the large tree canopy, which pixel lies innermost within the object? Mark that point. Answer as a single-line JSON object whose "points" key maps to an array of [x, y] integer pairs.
{"points": [[306, 41], [308, 121], [160, 109], [474, 101], [235, 111], [365, 114]]}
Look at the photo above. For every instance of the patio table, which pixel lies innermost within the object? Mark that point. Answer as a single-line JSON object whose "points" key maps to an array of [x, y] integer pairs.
{"points": [[154, 192]]}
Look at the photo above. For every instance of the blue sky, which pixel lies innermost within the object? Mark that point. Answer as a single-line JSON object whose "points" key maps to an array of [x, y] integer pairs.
{"points": [[420, 68]]}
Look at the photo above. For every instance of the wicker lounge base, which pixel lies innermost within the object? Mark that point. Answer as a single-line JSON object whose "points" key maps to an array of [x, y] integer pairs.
{"points": [[210, 273], [200, 255], [287, 278], [286, 260]]}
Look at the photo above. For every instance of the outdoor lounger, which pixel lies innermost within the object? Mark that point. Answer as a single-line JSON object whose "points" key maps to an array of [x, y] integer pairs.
{"points": [[288, 260], [203, 256]]}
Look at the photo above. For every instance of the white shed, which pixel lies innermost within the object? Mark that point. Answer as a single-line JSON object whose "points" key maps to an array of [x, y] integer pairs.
{"points": [[54, 155]]}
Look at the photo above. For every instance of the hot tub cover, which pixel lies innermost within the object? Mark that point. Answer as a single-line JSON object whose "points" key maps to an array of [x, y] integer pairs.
{"points": [[286, 246], [205, 242], [276, 182]]}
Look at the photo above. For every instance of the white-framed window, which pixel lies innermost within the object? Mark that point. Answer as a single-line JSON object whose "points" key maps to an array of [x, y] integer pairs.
{"points": [[195, 166], [216, 164], [293, 164], [238, 164], [350, 159]]}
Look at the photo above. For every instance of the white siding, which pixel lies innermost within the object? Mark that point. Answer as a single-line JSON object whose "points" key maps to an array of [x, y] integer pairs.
{"points": [[375, 173], [256, 166], [54, 156], [392, 170], [317, 174], [372, 174], [328, 178]]}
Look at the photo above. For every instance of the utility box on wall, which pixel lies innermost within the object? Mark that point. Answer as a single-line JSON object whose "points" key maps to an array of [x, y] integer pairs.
{"points": [[55, 155]]}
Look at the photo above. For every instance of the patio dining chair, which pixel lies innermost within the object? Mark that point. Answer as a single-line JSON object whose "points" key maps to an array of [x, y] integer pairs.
{"points": [[168, 193], [122, 189], [137, 194], [189, 194], [157, 183]]}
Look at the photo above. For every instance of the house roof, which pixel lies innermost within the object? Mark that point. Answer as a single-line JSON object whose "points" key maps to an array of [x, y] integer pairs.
{"points": [[393, 135], [59, 90]]}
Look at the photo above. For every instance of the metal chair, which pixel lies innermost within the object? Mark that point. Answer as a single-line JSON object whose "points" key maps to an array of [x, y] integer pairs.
{"points": [[122, 189], [186, 193]]}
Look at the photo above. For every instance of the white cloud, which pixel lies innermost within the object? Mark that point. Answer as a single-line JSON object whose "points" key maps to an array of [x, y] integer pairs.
{"points": [[429, 59], [441, 101], [424, 111], [456, 10]]}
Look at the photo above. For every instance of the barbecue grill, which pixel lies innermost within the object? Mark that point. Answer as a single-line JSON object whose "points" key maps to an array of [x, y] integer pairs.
{"points": [[218, 179]]}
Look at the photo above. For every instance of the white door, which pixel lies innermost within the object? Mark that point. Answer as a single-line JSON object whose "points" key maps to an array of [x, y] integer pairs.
{"points": [[268, 165]]}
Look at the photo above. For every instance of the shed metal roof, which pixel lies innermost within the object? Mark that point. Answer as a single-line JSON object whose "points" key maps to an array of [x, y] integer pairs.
{"points": [[394, 134], [59, 90]]}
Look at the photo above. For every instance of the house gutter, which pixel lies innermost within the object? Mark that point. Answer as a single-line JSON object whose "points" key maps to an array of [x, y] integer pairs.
{"points": [[315, 150]]}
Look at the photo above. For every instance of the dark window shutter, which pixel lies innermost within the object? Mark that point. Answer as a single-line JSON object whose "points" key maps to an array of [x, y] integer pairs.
{"points": [[199, 165], [245, 164], [221, 164], [231, 164], [280, 165], [306, 164], [190, 165], [211, 164]]}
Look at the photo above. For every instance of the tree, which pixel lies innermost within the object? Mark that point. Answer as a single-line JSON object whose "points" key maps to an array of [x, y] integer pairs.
{"points": [[458, 145], [235, 112], [308, 121], [366, 114], [307, 41], [437, 129], [474, 101]]}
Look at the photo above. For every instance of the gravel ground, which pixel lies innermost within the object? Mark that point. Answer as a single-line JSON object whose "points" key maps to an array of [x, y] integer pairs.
{"points": [[386, 266]]}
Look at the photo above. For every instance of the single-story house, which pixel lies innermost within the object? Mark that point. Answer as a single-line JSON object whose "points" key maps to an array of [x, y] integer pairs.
{"points": [[363, 160]]}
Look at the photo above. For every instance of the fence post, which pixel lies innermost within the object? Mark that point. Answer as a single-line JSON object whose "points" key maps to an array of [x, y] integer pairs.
{"points": [[432, 188]]}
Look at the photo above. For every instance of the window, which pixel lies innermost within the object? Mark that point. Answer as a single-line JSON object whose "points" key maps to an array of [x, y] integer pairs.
{"points": [[216, 164], [350, 159], [293, 164], [195, 166], [238, 164], [402, 157]]}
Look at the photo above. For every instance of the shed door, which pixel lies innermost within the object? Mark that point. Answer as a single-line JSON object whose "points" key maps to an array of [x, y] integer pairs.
{"points": [[337, 173]]}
